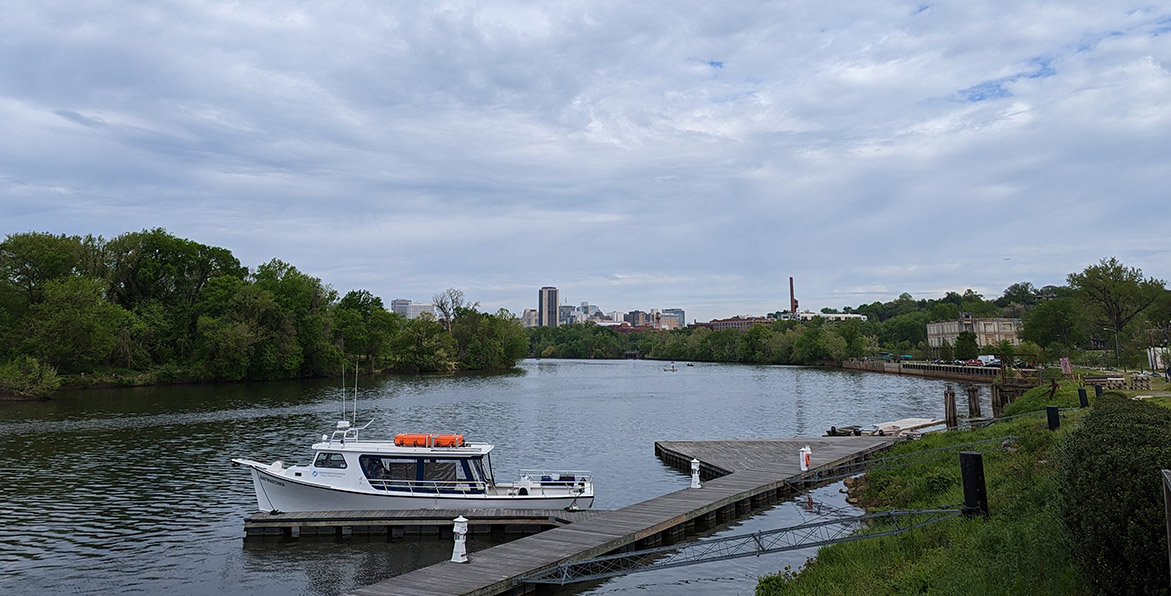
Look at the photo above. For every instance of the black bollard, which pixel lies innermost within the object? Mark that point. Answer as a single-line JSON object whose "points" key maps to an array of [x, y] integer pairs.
{"points": [[1081, 397], [1097, 391], [1054, 417], [975, 492]]}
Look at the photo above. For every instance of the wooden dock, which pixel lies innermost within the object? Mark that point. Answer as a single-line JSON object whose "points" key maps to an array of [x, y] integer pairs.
{"points": [[344, 524], [739, 476]]}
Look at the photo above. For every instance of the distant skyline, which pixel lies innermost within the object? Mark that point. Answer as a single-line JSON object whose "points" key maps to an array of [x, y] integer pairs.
{"points": [[647, 155]]}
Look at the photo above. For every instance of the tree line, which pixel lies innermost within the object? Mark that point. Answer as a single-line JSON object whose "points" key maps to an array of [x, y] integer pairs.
{"points": [[150, 304], [1106, 307]]}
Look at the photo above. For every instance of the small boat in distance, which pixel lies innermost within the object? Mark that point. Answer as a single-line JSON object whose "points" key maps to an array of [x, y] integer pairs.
{"points": [[414, 471], [670, 368]]}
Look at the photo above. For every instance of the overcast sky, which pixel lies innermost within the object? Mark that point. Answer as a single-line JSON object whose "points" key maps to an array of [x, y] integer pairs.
{"points": [[634, 154]]}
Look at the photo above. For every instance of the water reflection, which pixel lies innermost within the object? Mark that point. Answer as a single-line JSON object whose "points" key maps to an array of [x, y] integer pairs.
{"points": [[132, 489]]}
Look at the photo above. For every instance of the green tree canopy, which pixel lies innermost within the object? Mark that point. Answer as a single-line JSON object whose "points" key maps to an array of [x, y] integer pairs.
{"points": [[1115, 294], [966, 346]]}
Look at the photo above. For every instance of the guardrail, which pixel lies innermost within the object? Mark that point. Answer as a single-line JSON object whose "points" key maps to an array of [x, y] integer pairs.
{"points": [[430, 487]]}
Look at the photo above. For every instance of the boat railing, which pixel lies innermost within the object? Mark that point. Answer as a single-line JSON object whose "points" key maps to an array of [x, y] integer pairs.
{"points": [[345, 431], [565, 478], [430, 487]]}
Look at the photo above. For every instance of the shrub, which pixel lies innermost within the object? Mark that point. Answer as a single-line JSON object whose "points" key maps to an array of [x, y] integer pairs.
{"points": [[1111, 495], [27, 377]]}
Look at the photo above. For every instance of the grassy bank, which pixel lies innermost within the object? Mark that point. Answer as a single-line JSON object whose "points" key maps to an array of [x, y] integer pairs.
{"points": [[1021, 548]]}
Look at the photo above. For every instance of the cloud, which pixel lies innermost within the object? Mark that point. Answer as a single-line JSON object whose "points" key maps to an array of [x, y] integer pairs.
{"points": [[703, 154]]}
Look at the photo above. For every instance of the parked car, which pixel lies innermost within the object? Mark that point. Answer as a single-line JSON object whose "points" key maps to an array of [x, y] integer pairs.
{"points": [[992, 363], [973, 362]]}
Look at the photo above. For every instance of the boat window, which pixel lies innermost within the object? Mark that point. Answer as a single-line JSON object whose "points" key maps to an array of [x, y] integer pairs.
{"points": [[329, 460], [440, 470], [478, 468], [389, 468]]}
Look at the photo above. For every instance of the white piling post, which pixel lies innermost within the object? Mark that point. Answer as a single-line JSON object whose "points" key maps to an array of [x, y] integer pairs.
{"points": [[460, 553], [695, 473]]}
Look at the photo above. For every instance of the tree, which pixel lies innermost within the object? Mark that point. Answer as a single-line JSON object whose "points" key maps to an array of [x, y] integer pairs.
{"points": [[74, 328], [365, 326], [424, 346], [305, 304], [448, 303], [29, 260], [1115, 294], [966, 346], [27, 377], [1022, 293], [1058, 320]]}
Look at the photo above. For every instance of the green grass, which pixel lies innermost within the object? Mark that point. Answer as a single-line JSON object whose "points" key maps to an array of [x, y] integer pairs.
{"points": [[1021, 548]]}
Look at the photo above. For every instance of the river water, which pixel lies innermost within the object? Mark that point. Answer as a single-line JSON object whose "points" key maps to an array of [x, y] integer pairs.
{"points": [[131, 490]]}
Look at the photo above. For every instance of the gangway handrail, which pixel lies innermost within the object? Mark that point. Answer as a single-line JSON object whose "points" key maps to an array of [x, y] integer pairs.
{"points": [[807, 535]]}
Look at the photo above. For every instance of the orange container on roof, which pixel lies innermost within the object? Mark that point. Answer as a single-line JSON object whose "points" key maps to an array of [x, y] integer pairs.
{"points": [[413, 440], [449, 441]]}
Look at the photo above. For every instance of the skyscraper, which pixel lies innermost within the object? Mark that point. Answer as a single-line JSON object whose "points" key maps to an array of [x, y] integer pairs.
{"points": [[678, 312], [547, 301]]}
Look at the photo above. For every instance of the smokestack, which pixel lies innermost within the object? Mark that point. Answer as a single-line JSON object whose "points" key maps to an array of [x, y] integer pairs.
{"points": [[792, 297]]}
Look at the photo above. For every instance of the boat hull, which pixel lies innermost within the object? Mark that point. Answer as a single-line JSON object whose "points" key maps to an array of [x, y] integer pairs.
{"points": [[276, 492]]}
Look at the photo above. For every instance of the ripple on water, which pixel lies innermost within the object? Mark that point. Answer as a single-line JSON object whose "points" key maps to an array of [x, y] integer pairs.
{"points": [[132, 490]]}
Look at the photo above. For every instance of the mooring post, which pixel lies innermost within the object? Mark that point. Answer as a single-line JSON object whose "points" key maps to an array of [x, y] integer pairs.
{"points": [[972, 475], [1081, 397], [997, 404], [974, 402], [459, 554], [950, 418], [695, 473], [1054, 416], [1097, 391]]}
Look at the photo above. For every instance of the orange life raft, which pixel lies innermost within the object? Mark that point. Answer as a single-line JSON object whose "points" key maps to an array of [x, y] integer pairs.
{"points": [[428, 440]]}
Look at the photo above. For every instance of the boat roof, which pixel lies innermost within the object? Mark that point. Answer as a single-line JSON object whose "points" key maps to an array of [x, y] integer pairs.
{"points": [[389, 448]]}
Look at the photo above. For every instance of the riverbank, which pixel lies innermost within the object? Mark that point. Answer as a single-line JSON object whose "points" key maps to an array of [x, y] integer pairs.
{"points": [[1021, 548], [1018, 549]]}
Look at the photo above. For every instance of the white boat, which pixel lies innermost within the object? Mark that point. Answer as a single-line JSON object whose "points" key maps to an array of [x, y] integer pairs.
{"points": [[670, 368], [414, 471]]}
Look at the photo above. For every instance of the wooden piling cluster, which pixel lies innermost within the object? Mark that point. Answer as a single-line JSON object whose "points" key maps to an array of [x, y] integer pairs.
{"points": [[741, 476]]}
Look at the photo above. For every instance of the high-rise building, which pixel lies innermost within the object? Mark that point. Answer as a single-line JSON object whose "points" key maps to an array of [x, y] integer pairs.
{"points": [[530, 318], [547, 301], [638, 318], [678, 312], [565, 314], [411, 309]]}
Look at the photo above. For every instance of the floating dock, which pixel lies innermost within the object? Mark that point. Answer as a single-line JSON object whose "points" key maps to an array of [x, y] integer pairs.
{"points": [[738, 477], [422, 522]]}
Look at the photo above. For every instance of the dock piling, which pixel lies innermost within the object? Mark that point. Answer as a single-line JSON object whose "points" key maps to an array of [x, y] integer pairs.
{"points": [[974, 402], [949, 408], [975, 491], [695, 474]]}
